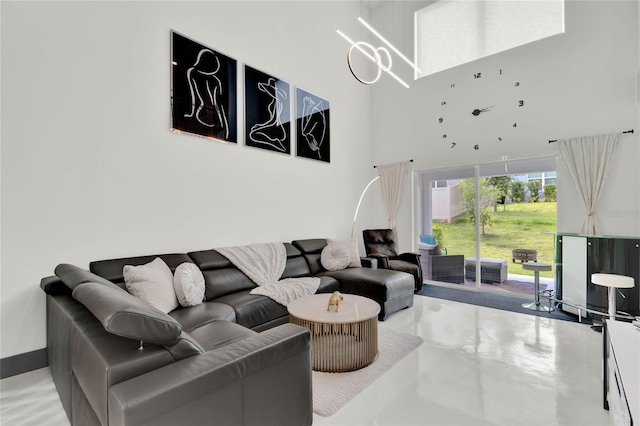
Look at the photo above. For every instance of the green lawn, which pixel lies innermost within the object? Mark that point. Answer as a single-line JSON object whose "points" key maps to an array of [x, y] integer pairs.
{"points": [[524, 225]]}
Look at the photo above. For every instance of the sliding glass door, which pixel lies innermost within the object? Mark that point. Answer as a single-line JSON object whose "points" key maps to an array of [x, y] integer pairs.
{"points": [[497, 216], [445, 201]]}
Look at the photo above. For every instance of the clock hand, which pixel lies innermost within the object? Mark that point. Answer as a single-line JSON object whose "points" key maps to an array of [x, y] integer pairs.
{"points": [[476, 112]]}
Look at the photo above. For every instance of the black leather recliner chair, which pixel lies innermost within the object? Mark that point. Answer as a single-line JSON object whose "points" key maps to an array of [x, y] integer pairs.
{"points": [[381, 244]]}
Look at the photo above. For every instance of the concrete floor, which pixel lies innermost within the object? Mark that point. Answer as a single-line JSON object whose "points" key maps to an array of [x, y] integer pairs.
{"points": [[477, 366]]}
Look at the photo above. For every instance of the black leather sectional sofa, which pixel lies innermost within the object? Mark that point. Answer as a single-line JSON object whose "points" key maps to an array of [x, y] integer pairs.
{"points": [[232, 360]]}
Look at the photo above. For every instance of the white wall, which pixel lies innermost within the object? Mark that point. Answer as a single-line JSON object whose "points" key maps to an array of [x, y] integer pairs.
{"points": [[91, 171], [580, 83]]}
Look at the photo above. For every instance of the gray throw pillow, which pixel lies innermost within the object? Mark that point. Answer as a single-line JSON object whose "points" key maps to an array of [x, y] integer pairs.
{"points": [[334, 257], [188, 283], [153, 283], [351, 246]]}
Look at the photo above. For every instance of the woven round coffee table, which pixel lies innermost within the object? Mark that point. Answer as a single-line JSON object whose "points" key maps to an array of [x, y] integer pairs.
{"points": [[342, 341]]}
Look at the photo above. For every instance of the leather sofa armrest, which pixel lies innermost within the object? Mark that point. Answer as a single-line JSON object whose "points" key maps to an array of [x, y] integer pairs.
{"points": [[409, 257], [232, 384], [383, 260], [54, 285], [369, 262]]}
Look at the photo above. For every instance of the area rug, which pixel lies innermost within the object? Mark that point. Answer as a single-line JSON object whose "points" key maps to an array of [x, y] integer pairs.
{"points": [[511, 285], [332, 391], [511, 302]]}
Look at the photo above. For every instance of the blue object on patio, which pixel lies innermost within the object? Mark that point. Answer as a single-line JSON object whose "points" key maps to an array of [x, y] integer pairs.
{"points": [[428, 239]]}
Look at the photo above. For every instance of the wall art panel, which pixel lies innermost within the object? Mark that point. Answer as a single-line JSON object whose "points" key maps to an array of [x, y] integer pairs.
{"points": [[267, 111], [312, 126], [203, 90]]}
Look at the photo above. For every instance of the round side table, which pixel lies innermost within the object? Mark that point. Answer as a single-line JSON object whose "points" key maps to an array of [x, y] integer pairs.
{"points": [[342, 341], [536, 268]]}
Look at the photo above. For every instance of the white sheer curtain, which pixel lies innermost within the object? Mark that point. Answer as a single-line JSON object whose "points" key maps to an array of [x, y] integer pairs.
{"points": [[588, 160], [392, 178]]}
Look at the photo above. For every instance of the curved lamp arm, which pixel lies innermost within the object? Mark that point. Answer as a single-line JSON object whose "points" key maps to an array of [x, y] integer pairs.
{"points": [[360, 201]]}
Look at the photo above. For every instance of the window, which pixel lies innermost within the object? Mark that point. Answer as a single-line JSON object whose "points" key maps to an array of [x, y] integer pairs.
{"points": [[451, 33]]}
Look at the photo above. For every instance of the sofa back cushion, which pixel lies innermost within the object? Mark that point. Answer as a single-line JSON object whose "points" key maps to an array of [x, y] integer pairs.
{"points": [[127, 316], [221, 277], [111, 269], [296, 263], [73, 276], [311, 250]]}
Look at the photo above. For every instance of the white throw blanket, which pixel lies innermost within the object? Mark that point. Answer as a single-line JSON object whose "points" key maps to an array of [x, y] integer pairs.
{"points": [[264, 264]]}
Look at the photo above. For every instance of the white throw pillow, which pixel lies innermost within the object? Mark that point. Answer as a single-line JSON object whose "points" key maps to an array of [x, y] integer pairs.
{"points": [[188, 283], [334, 258], [152, 283], [351, 246]]}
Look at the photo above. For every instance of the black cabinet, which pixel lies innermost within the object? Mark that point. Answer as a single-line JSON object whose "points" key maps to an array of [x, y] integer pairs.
{"points": [[600, 254], [620, 256]]}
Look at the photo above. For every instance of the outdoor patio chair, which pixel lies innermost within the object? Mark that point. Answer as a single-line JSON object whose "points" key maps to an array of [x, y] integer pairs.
{"points": [[441, 267]]}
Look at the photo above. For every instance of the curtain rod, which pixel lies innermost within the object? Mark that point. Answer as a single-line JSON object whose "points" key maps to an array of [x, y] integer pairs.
{"points": [[626, 131], [411, 161]]}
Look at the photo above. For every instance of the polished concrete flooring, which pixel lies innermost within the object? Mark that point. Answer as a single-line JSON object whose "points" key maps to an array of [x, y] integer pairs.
{"points": [[477, 366]]}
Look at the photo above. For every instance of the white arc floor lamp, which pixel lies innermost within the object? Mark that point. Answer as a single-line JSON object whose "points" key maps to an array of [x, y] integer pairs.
{"points": [[394, 173], [355, 215]]}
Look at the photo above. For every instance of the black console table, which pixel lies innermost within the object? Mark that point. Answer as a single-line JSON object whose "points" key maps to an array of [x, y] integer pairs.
{"points": [[579, 256]]}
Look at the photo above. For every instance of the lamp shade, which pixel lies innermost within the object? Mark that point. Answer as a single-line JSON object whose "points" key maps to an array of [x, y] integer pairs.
{"points": [[613, 280]]}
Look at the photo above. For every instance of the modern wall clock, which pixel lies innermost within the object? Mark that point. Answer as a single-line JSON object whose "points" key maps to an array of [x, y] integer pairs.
{"points": [[480, 108]]}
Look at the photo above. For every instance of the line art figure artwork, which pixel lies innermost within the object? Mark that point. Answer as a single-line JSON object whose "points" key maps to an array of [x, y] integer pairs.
{"points": [[272, 131], [312, 124], [267, 111], [206, 89], [203, 90]]}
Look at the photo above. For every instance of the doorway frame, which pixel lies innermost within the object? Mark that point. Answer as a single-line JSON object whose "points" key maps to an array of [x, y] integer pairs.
{"points": [[422, 200]]}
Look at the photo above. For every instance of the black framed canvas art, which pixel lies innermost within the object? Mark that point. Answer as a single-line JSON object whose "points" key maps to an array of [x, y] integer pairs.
{"points": [[312, 126], [267, 111], [203, 90]]}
